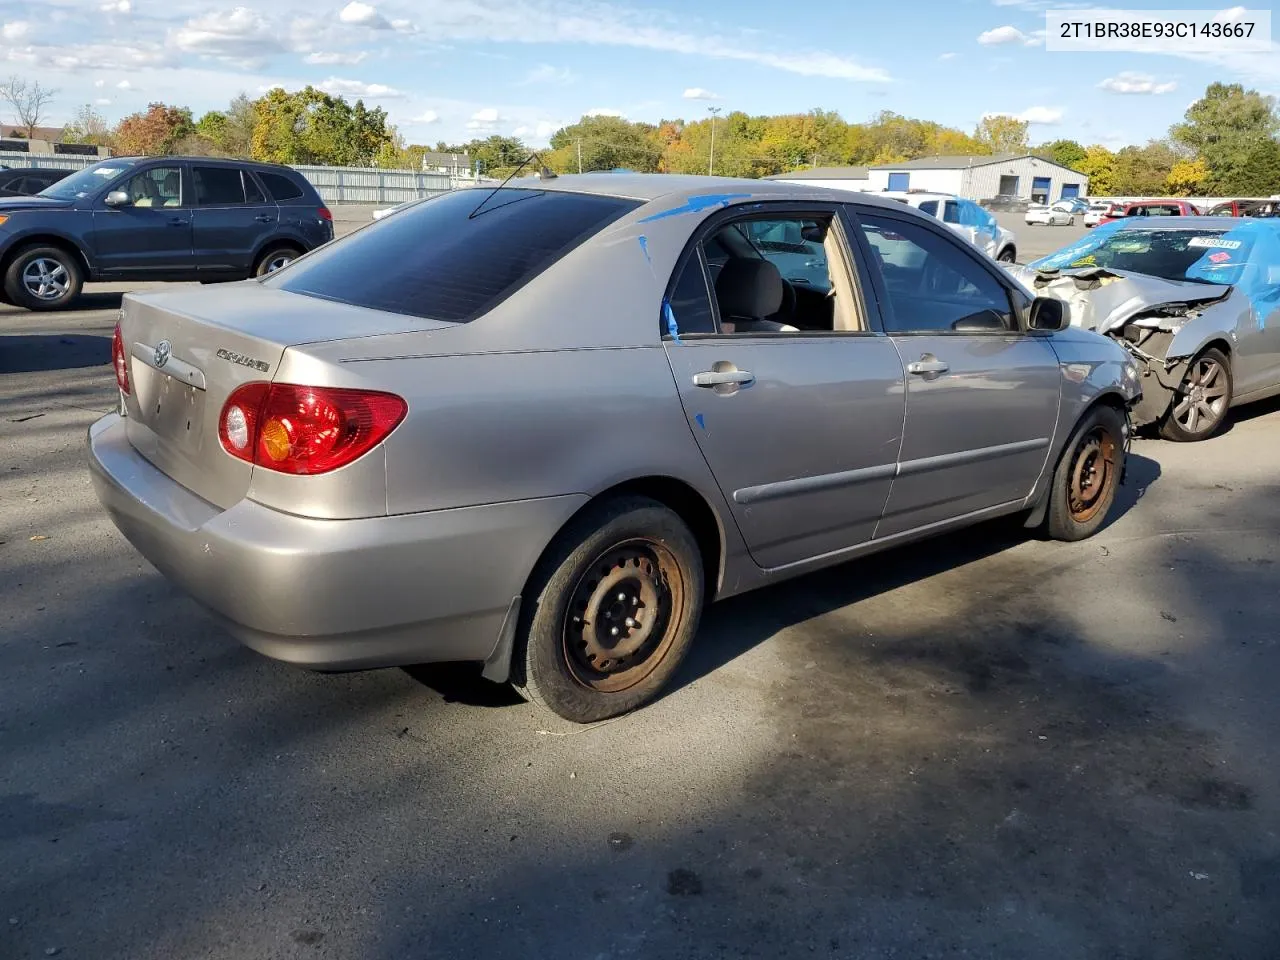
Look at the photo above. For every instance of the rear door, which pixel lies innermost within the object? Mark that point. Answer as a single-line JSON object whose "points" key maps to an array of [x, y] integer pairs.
{"points": [[150, 237], [800, 429], [982, 396], [232, 218]]}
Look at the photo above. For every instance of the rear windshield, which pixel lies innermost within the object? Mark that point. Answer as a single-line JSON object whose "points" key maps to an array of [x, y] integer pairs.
{"points": [[439, 261]]}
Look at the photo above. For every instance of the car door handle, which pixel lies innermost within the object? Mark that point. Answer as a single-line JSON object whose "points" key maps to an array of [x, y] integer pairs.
{"points": [[177, 222], [264, 219], [717, 378], [928, 366]]}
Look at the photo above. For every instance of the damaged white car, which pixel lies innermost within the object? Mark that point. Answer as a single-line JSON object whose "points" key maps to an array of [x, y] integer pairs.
{"points": [[1196, 301]]}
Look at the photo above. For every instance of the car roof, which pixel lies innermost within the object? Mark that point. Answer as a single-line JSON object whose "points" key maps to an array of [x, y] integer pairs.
{"points": [[229, 161], [1186, 223], [654, 186]]}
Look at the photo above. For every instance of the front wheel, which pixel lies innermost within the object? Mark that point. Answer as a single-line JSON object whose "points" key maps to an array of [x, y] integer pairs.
{"points": [[1087, 476], [43, 278], [1201, 401], [1007, 255], [611, 612]]}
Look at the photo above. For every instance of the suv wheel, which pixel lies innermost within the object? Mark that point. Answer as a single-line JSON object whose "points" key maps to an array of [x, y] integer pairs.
{"points": [[43, 278], [1007, 255], [276, 258]]}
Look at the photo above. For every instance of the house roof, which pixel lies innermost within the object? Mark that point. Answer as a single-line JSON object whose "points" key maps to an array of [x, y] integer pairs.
{"points": [[961, 162], [10, 131], [435, 158], [823, 173]]}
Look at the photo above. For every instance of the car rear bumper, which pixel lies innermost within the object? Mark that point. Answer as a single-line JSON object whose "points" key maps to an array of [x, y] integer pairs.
{"points": [[331, 594]]}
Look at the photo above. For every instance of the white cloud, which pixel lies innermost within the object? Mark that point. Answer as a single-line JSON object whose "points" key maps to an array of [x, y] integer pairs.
{"points": [[545, 128], [15, 31], [545, 73], [99, 84], [340, 87], [700, 93], [485, 120], [117, 6], [363, 15], [404, 26], [327, 58], [102, 101], [604, 112], [1048, 116], [947, 56], [124, 85], [596, 23], [426, 117], [1128, 81], [998, 36], [239, 35]]}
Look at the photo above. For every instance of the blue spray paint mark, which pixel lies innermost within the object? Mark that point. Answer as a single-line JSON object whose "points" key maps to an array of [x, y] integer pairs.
{"points": [[702, 422], [698, 204], [644, 248], [670, 314]]}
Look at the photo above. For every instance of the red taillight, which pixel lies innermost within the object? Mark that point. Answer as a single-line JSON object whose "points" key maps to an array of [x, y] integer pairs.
{"points": [[325, 214], [303, 430], [120, 360]]}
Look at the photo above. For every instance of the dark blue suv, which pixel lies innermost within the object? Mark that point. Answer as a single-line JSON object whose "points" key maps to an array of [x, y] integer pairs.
{"points": [[156, 218]]}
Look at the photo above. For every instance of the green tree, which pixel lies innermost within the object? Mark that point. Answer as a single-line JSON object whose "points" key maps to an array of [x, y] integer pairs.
{"points": [[1099, 165], [606, 143], [1002, 134], [155, 131], [1228, 127], [1144, 170], [310, 126], [1068, 153], [497, 156]]}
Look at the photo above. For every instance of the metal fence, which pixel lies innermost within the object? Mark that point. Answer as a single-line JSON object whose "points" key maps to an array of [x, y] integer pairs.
{"points": [[335, 184]]}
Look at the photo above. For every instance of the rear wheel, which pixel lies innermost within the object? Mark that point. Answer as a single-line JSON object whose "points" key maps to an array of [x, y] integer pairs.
{"points": [[1087, 476], [611, 611], [43, 278], [1007, 255], [276, 258], [1201, 401]]}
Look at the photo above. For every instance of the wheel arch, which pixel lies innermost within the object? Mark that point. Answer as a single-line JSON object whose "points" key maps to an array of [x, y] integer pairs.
{"points": [[1108, 397], [275, 242], [46, 240]]}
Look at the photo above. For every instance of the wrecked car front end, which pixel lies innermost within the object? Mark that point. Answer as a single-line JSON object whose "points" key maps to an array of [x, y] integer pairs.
{"points": [[1163, 324]]}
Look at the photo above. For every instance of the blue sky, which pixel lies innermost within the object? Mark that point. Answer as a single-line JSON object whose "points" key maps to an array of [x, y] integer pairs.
{"points": [[456, 69]]}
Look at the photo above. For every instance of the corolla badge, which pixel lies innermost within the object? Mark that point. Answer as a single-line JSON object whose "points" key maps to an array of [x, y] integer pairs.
{"points": [[164, 350]]}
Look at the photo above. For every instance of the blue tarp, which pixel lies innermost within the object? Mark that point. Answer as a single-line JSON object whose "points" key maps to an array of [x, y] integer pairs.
{"points": [[973, 215]]}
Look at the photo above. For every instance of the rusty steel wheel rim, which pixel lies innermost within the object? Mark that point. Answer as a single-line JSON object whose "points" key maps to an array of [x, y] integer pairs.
{"points": [[622, 615], [1092, 476]]}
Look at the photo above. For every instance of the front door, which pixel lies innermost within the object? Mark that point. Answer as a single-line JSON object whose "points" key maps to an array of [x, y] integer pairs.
{"points": [[800, 425], [982, 397], [150, 237], [231, 218]]}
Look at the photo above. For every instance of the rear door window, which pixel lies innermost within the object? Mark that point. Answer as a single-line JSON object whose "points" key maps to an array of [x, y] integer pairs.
{"points": [[253, 192], [218, 186], [929, 206], [951, 212], [456, 256]]}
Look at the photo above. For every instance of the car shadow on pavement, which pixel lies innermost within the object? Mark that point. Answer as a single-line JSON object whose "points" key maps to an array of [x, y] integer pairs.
{"points": [[39, 353]]}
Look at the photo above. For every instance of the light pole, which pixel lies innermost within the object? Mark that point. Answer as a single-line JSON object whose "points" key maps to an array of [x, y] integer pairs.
{"points": [[711, 163]]}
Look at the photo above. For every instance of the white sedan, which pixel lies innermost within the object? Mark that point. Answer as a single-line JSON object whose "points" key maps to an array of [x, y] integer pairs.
{"points": [[1060, 214]]}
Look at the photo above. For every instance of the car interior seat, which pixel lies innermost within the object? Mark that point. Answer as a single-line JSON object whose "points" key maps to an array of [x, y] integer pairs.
{"points": [[172, 190], [748, 292]]}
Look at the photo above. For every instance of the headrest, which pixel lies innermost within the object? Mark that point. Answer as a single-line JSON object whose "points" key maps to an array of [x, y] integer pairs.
{"points": [[749, 288]]}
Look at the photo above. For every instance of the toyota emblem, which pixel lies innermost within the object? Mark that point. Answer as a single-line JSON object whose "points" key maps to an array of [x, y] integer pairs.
{"points": [[164, 350]]}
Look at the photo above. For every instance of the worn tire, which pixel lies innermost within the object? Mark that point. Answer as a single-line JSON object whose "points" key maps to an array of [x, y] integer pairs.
{"points": [[1170, 429], [15, 288], [1063, 522], [273, 254], [543, 669]]}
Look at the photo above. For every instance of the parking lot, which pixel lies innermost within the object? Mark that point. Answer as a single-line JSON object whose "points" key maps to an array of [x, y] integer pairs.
{"points": [[985, 745]]}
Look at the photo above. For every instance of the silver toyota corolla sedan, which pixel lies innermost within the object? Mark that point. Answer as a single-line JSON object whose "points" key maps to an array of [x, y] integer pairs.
{"points": [[1195, 300], [540, 427]]}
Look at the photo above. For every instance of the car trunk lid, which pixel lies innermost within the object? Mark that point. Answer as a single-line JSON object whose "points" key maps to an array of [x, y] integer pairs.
{"points": [[188, 350]]}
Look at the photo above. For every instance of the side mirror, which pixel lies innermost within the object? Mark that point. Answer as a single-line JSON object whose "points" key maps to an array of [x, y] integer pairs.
{"points": [[118, 198], [1048, 314]]}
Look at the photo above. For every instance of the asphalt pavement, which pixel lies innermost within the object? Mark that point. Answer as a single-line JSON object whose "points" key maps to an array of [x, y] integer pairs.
{"points": [[985, 745]]}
